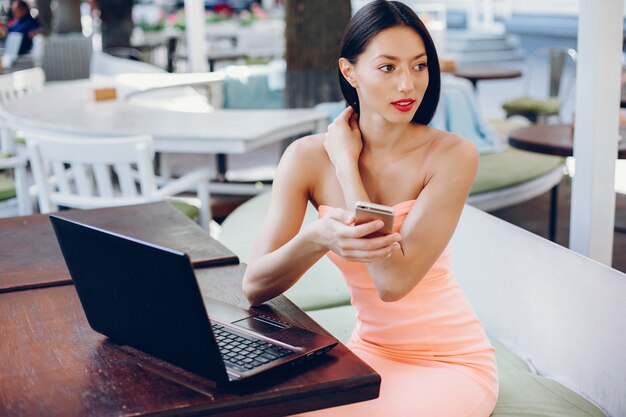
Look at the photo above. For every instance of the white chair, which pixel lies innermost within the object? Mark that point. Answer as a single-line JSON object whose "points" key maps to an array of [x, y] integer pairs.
{"points": [[11, 48], [14, 197], [7, 88], [20, 83], [14, 85], [77, 172], [28, 81]]}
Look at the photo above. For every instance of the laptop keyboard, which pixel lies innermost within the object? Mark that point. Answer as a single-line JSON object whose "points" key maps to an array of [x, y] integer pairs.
{"points": [[243, 353]]}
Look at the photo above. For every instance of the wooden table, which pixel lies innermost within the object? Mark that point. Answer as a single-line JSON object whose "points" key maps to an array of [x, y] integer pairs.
{"points": [[475, 73], [53, 364], [552, 140], [160, 224]]}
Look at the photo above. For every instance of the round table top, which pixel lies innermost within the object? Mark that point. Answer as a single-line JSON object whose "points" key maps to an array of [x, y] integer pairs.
{"points": [[551, 140], [69, 106], [476, 72]]}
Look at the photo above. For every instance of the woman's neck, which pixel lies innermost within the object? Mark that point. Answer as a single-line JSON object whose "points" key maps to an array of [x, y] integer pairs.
{"points": [[380, 135]]}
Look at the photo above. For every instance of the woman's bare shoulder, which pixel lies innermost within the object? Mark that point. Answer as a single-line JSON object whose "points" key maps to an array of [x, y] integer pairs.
{"points": [[304, 158], [453, 147], [311, 146]]}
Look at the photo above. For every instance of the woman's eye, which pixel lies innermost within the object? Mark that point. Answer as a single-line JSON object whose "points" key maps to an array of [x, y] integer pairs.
{"points": [[386, 68], [421, 66]]}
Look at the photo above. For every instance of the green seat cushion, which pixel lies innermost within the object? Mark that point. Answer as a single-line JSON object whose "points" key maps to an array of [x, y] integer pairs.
{"points": [[527, 104], [523, 394], [321, 286], [187, 209], [338, 321], [504, 127], [7, 188], [511, 167], [19, 137]]}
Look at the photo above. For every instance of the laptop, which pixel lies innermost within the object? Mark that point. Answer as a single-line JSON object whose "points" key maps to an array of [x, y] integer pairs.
{"points": [[146, 296]]}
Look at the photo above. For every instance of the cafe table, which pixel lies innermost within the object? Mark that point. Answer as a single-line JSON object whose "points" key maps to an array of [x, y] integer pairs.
{"points": [[475, 73], [554, 140], [53, 364], [70, 107]]}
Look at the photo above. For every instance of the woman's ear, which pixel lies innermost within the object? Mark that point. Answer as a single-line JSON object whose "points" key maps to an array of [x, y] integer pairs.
{"points": [[347, 70]]}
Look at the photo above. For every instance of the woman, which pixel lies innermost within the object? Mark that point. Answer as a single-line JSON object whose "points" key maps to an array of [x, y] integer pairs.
{"points": [[415, 326], [23, 23]]}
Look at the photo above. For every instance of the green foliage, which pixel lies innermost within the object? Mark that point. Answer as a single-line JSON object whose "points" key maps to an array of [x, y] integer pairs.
{"points": [[152, 27]]}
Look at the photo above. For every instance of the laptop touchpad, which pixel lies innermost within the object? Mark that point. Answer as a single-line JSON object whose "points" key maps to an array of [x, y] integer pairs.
{"points": [[260, 324]]}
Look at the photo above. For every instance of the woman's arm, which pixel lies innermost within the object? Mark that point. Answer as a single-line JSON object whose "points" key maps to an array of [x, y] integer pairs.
{"points": [[281, 254], [343, 145], [430, 224]]}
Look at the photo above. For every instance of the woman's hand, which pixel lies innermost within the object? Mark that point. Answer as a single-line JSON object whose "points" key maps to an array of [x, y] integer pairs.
{"points": [[338, 233], [343, 141]]}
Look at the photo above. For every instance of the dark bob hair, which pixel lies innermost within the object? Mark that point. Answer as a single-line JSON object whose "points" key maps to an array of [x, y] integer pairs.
{"points": [[372, 19]]}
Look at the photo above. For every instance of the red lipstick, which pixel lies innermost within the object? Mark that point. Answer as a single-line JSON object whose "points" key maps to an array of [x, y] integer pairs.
{"points": [[403, 105]]}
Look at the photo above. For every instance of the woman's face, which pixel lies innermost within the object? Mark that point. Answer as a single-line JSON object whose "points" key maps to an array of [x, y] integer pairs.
{"points": [[391, 75], [17, 10]]}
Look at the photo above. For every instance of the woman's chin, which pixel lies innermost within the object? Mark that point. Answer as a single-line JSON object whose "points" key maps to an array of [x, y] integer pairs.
{"points": [[398, 117]]}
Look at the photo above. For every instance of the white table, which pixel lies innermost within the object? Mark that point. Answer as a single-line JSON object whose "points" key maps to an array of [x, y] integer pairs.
{"points": [[69, 106]]}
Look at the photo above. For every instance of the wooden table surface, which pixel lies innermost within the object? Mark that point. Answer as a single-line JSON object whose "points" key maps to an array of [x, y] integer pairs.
{"points": [[476, 73], [53, 364], [160, 223], [552, 140]]}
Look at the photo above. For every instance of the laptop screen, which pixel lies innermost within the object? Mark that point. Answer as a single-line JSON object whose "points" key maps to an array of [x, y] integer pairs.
{"points": [[141, 295]]}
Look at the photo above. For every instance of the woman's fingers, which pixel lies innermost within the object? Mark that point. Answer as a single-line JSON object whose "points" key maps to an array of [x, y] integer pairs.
{"points": [[347, 231], [368, 256], [354, 122], [346, 114], [344, 216], [371, 244], [351, 242], [365, 229]]}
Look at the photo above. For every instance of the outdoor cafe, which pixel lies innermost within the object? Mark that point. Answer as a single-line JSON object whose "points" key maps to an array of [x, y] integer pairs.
{"points": [[183, 198]]}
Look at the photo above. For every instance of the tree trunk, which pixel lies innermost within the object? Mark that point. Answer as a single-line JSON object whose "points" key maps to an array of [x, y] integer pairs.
{"points": [[45, 16], [314, 30], [117, 22], [66, 16]]}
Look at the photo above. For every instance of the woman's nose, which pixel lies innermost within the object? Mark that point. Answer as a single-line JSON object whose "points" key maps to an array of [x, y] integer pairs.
{"points": [[405, 82]]}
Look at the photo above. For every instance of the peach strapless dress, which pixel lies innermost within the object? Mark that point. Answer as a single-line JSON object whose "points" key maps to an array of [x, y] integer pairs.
{"points": [[429, 347]]}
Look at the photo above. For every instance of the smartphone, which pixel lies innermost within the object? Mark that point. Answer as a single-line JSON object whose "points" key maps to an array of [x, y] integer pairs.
{"points": [[366, 212]]}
